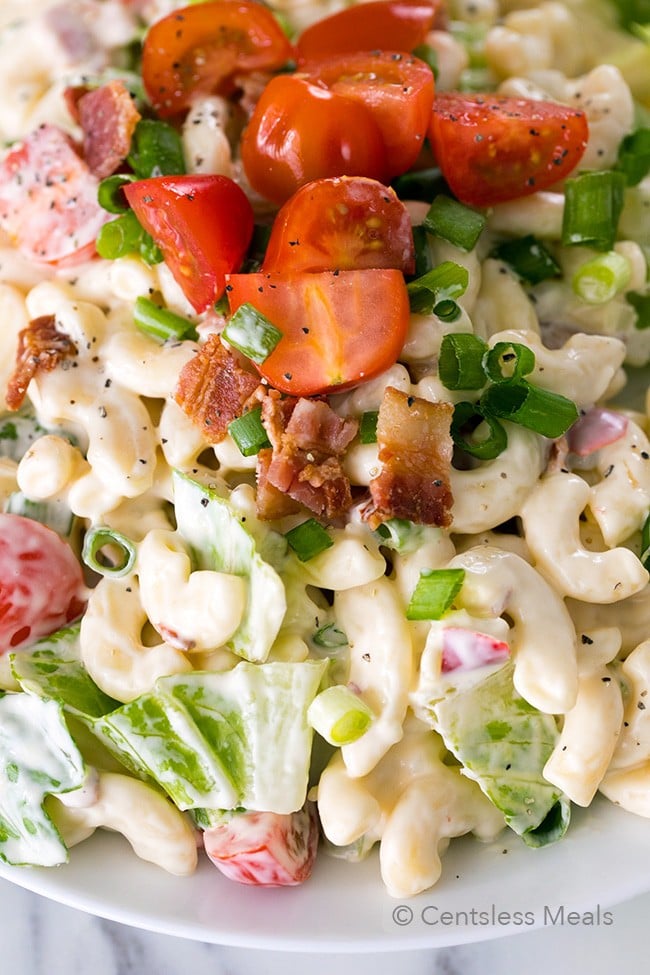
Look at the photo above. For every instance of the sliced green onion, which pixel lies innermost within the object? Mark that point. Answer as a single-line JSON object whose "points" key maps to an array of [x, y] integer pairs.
{"points": [[399, 534], [53, 514], [108, 552], [540, 410], [592, 206], [641, 305], [120, 237], [447, 310], [156, 150], [602, 278], [308, 539], [444, 283], [645, 544], [252, 333], [368, 427], [434, 593], [429, 55], [634, 155], [422, 252], [455, 222], [160, 323], [509, 360], [529, 259], [478, 434], [330, 637], [460, 363], [149, 250], [110, 195], [420, 184], [248, 432], [339, 715]]}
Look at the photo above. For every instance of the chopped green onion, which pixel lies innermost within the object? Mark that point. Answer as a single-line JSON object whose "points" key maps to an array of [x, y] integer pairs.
{"points": [[149, 250], [160, 323], [110, 195], [632, 12], [252, 333], [156, 150], [455, 222], [308, 539], [248, 432], [447, 310], [634, 156], [602, 278], [124, 236], [469, 433], [422, 252], [645, 544], [368, 427], [429, 55], [330, 637], [509, 360], [108, 552], [339, 715], [460, 363], [592, 206], [434, 593], [444, 283], [540, 410], [419, 184], [399, 534], [529, 259], [641, 305]]}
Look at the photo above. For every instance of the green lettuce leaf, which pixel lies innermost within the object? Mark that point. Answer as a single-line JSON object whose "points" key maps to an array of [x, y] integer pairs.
{"points": [[37, 758]]}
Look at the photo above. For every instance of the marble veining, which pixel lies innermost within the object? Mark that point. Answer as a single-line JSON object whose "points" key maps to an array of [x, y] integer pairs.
{"points": [[40, 937]]}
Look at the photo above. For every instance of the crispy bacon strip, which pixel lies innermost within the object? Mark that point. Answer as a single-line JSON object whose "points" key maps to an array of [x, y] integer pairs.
{"points": [[108, 118], [271, 503], [213, 389], [415, 449], [40, 348], [308, 441]]}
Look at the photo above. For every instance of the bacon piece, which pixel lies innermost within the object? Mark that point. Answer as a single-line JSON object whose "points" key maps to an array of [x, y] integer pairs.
{"points": [[597, 428], [415, 449], [308, 440], [213, 389], [108, 118], [40, 348], [270, 502]]}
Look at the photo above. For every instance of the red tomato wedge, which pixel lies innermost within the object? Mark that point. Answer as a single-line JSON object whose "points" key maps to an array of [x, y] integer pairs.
{"points": [[203, 226], [300, 131], [41, 584], [493, 148], [341, 223], [198, 49], [396, 88], [339, 328], [48, 199], [396, 25]]}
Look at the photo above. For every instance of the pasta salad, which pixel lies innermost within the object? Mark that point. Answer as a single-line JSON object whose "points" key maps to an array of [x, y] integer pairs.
{"points": [[322, 532]]}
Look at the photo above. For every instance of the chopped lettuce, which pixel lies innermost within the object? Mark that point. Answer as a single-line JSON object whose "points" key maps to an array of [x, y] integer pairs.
{"points": [[215, 532], [223, 740], [503, 742], [37, 758], [19, 430]]}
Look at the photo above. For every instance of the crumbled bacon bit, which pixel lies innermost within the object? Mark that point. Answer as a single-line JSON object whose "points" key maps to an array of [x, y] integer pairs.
{"points": [[40, 349], [308, 440], [108, 118], [213, 389], [415, 450], [271, 503]]}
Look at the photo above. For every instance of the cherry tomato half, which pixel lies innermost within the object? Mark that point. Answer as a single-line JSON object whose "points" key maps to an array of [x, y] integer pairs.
{"points": [[339, 328], [196, 50], [493, 148], [396, 25], [396, 88], [48, 199], [203, 226], [341, 223], [300, 131], [41, 583]]}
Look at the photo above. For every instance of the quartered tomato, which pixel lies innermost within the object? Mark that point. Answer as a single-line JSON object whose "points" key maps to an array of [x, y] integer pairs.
{"points": [[300, 131], [198, 49], [48, 199], [265, 849], [396, 25], [396, 88], [338, 328], [342, 223], [203, 226], [41, 584], [493, 148]]}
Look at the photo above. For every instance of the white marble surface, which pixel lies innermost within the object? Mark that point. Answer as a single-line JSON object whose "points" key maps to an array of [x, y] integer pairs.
{"points": [[40, 937]]}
